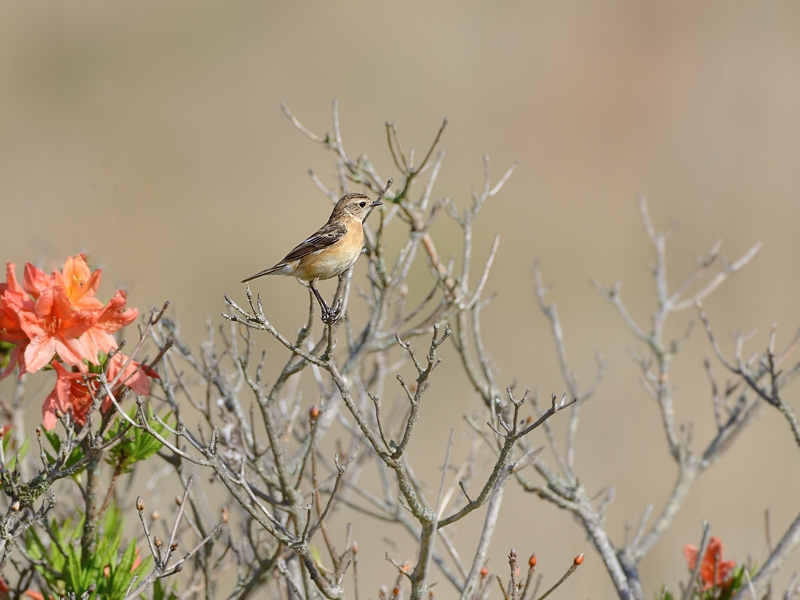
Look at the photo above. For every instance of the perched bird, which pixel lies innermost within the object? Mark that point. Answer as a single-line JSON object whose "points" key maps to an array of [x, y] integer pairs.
{"points": [[330, 251]]}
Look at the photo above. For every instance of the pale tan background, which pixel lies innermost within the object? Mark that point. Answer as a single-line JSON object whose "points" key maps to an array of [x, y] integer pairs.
{"points": [[148, 134]]}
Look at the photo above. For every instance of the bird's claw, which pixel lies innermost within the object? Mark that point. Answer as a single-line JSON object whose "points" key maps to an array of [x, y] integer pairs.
{"points": [[332, 315]]}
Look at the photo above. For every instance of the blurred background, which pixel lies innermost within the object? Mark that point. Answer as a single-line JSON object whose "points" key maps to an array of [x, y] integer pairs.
{"points": [[149, 135]]}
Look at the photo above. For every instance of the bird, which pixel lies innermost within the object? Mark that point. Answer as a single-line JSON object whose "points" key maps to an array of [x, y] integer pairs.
{"points": [[329, 251]]}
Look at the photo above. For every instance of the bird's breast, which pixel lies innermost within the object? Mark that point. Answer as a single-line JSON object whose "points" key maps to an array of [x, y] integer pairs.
{"points": [[334, 260]]}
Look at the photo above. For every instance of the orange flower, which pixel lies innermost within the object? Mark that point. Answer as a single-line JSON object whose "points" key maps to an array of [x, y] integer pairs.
{"points": [[78, 281], [54, 327], [13, 299], [58, 315], [110, 318], [73, 394], [134, 375], [35, 281], [712, 562], [69, 395]]}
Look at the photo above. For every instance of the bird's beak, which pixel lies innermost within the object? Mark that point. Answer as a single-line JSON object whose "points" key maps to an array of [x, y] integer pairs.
{"points": [[376, 203]]}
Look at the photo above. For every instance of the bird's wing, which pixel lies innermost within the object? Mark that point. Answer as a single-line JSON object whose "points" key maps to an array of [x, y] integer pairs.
{"points": [[327, 236]]}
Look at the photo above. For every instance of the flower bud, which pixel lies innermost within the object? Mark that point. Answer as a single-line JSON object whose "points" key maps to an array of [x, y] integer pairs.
{"points": [[355, 548], [313, 412], [157, 541], [15, 507], [578, 560], [532, 561], [484, 572], [139, 504], [154, 515]]}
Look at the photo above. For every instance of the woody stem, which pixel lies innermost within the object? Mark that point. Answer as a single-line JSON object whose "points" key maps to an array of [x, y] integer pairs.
{"points": [[91, 496]]}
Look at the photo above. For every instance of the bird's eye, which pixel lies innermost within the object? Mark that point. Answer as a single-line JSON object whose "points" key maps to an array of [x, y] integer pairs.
{"points": [[362, 204]]}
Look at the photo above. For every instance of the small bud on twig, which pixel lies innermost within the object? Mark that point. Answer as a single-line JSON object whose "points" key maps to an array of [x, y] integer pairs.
{"points": [[313, 412], [178, 500], [224, 514], [154, 515], [532, 561], [355, 548], [15, 507], [139, 504], [157, 541], [173, 547], [578, 560], [484, 572]]}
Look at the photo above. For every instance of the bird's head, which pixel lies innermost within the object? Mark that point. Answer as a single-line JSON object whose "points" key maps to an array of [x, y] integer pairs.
{"points": [[356, 206]]}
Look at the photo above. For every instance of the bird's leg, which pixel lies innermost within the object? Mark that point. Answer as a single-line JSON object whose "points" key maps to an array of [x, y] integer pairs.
{"points": [[328, 316]]}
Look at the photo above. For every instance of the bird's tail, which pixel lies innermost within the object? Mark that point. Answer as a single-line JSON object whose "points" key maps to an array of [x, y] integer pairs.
{"points": [[279, 268]]}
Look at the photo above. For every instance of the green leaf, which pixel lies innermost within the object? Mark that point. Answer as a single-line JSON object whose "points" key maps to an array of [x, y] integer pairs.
{"points": [[23, 450], [664, 594], [163, 590], [137, 445]]}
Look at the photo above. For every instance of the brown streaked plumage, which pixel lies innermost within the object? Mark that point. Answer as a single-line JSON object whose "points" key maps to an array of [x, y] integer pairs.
{"points": [[330, 251]]}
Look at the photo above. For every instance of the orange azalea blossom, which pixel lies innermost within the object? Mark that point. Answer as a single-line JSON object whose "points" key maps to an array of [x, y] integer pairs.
{"points": [[53, 327], [69, 395], [133, 375], [59, 314], [72, 394], [12, 300], [57, 320], [78, 281], [111, 317], [712, 561]]}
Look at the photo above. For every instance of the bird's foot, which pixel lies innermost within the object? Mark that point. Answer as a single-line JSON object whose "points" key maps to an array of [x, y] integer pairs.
{"points": [[332, 315]]}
